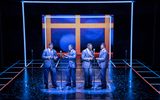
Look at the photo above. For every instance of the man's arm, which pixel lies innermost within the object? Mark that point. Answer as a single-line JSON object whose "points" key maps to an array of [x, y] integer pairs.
{"points": [[55, 56], [73, 55], [44, 57], [103, 58], [85, 58]]}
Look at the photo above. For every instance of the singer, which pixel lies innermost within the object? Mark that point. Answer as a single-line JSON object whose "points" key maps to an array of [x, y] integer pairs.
{"points": [[71, 68], [103, 64], [87, 58], [49, 55]]}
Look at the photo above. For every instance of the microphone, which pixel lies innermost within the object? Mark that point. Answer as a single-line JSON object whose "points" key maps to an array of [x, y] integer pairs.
{"points": [[32, 53], [94, 50], [32, 50], [94, 55]]}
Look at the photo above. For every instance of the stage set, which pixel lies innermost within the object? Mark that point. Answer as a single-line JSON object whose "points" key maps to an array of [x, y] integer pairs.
{"points": [[127, 78]]}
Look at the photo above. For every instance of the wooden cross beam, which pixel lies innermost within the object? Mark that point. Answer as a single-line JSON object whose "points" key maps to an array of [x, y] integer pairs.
{"points": [[78, 25]]}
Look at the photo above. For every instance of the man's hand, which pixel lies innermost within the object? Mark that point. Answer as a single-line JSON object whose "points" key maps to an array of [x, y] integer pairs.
{"points": [[65, 54], [90, 58], [48, 57], [55, 57]]}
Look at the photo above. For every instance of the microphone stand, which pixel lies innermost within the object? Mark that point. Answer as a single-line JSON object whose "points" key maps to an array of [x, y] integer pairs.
{"points": [[94, 61], [61, 71]]}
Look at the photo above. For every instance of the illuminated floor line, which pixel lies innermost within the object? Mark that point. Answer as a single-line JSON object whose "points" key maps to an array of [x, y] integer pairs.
{"points": [[152, 77], [155, 83], [77, 81], [149, 83], [6, 78], [10, 80], [9, 68], [17, 67], [149, 69], [17, 73], [36, 63], [138, 66], [144, 71], [11, 72], [112, 63]]}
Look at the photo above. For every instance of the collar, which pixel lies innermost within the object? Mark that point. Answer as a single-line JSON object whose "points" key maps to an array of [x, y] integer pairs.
{"points": [[71, 50], [50, 49], [89, 52], [88, 49], [103, 49]]}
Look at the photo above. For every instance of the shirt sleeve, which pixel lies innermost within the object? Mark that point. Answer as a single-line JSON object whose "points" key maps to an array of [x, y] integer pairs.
{"points": [[83, 56], [55, 53], [73, 55], [103, 57], [44, 55]]}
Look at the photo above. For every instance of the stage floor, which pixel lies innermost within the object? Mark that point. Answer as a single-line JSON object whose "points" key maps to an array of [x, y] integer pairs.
{"points": [[123, 83]]}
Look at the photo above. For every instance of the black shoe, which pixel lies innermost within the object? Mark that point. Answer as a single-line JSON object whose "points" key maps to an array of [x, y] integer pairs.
{"points": [[73, 86], [90, 86], [68, 84], [103, 87], [54, 86], [99, 86], [46, 87], [86, 87]]}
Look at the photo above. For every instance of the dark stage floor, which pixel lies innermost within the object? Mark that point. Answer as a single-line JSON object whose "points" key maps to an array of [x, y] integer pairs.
{"points": [[123, 83]]}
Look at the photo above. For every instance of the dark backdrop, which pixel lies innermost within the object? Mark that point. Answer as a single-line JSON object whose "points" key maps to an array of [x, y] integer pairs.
{"points": [[146, 45]]}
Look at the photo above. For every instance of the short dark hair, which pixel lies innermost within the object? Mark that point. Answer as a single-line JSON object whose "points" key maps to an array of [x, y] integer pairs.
{"points": [[70, 45], [103, 44], [50, 43], [89, 44]]}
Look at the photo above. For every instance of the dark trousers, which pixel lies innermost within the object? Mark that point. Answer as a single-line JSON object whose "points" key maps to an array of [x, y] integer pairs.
{"points": [[53, 75], [71, 76], [103, 76], [87, 77]]}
